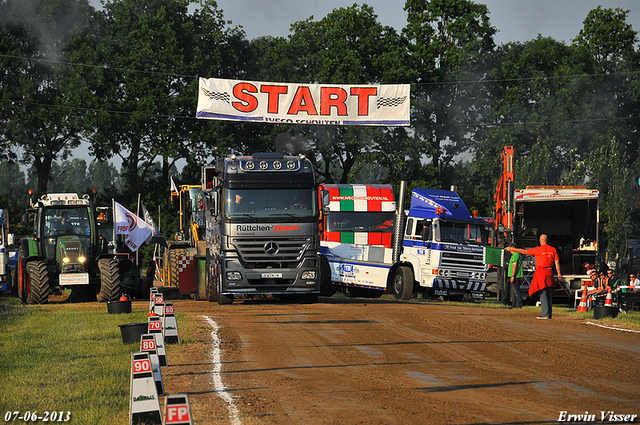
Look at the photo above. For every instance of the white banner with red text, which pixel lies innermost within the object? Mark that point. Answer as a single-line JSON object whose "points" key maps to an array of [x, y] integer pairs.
{"points": [[319, 104]]}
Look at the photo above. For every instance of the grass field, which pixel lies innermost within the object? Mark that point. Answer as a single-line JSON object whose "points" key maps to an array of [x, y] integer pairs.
{"points": [[66, 358]]}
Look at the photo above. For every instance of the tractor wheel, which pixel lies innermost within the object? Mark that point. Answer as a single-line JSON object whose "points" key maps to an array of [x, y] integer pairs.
{"points": [[174, 257], [403, 283], [38, 287], [110, 279], [327, 288]]}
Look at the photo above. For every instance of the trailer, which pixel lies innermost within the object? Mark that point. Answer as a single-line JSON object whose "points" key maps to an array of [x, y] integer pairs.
{"points": [[568, 215]]}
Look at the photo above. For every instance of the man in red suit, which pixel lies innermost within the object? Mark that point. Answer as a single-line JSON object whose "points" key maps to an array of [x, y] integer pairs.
{"points": [[543, 282]]}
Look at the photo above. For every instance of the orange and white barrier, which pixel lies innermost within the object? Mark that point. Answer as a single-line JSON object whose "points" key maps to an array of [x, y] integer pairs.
{"points": [[608, 302], [582, 307]]}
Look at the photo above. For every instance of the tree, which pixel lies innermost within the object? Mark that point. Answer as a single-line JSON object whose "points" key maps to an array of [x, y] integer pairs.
{"points": [[610, 174], [144, 96], [38, 88], [348, 46], [447, 40], [70, 176], [608, 38]]}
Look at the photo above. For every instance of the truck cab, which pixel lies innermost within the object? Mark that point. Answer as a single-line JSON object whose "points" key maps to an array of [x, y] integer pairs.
{"points": [[446, 244], [262, 227]]}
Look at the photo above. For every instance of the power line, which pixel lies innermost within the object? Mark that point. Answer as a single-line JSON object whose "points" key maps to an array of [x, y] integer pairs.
{"points": [[453, 82], [469, 124], [108, 68], [552, 77], [79, 108]]}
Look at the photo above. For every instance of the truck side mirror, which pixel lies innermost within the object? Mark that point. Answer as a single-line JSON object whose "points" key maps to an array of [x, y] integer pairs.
{"points": [[426, 237], [325, 200], [214, 204]]}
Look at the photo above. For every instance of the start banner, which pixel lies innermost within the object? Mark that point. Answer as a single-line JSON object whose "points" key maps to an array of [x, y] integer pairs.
{"points": [[319, 104]]}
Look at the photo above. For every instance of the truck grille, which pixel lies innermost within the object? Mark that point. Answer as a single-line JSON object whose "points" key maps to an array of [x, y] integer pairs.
{"points": [[269, 250], [463, 260]]}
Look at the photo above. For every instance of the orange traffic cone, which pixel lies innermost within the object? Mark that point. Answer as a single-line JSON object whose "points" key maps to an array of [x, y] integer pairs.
{"points": [[608, 302], [582, 307]]}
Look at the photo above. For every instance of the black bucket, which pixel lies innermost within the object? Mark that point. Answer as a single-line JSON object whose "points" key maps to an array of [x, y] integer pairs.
{"points": [[131, 332], [604, 311], [119, 307]]}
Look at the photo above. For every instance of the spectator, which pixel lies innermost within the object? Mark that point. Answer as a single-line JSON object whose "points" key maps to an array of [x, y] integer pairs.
{"points": [[634, 282], [605, 281], [515, 277], [543, 282], [614, 282], [602, 285]]}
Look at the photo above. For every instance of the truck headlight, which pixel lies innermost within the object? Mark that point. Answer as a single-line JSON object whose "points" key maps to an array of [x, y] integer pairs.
{"points": [[81, 259], [309, 274], [234, 276], [66, 260]]}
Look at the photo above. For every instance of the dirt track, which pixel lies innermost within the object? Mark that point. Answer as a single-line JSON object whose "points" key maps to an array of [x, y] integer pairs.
{"points": [[345, 361]]}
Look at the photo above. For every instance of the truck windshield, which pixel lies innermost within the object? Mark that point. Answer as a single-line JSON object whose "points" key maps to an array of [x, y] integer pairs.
{"points": [[476, 233], [66, 221], [350, 221], [271, 203]]}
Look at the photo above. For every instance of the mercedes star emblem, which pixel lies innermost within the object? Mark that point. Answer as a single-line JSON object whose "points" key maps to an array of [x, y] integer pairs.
{"points": [[271, 248]]}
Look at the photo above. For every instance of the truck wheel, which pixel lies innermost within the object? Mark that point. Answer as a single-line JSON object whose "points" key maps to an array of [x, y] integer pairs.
{"points": [[211, 289], [110, 279], [174, 256], [38, 287], [222, 299], [327, 288], [403, 283]]}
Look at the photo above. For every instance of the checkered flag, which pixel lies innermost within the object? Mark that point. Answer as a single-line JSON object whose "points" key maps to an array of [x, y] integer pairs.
{"points": [[216, 95], [390, 102]]}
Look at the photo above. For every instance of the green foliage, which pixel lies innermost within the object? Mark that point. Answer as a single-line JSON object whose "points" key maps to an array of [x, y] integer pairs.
{"points": [[35, 36], [609, 174]]}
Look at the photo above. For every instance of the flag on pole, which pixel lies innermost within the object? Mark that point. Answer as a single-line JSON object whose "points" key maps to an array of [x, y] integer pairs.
{"points": [[174, 188], [135, 229], [156, 236]]}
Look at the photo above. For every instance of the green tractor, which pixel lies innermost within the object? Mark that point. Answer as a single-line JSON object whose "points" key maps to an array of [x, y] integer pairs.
{"points": [[72, 247]]}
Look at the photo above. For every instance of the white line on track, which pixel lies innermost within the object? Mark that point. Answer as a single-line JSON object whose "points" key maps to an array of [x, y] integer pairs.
{"points": [[216, 356], [611, 327]]}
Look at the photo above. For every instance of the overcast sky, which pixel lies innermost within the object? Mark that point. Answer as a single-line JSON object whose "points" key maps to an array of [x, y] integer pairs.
{"points": [[516, 20]]}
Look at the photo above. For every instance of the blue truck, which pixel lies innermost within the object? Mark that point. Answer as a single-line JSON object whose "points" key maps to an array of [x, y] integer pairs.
{"points": [[438, 249]]}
